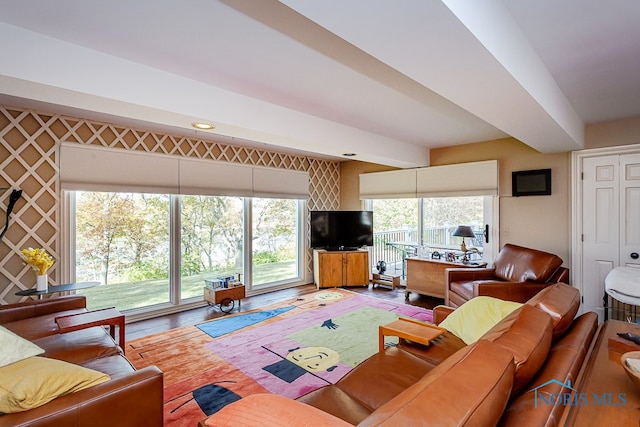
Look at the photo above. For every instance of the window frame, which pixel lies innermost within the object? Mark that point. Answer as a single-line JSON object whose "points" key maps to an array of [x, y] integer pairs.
{"points": [[175, 302]]}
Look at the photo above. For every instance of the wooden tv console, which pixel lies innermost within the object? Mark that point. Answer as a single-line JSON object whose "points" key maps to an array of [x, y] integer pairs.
{"points": [[340, 268]]}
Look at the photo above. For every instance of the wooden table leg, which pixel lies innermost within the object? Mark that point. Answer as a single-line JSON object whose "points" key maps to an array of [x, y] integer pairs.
{"points": [[121, 331]]}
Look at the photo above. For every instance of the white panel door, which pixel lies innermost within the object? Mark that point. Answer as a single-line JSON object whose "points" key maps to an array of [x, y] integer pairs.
{"points": [[630, 210], [600, 230]]}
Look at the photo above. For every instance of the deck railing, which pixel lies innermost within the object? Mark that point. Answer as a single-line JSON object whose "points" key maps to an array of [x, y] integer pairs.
{"points": [[434, 237]]}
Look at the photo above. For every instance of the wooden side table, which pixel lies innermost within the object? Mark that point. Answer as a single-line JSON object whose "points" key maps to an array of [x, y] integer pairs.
{"points": [[409, 329], [104, 317], [52, 289], [606, 394]]}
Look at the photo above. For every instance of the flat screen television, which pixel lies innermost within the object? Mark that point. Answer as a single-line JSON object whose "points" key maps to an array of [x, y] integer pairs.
{"points": [[531, 183], [341, 230]]}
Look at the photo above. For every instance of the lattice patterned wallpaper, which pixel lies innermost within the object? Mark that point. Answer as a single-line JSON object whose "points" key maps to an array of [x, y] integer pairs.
{"points": [[29, 161]]}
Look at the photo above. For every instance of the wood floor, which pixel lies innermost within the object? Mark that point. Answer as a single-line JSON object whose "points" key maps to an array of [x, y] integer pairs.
{"points": [[191, 317]]}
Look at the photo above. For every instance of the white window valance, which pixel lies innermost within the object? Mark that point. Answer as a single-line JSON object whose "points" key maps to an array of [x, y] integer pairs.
{"points": [[101, 169], [274, 183], [104, 169], [215, 178], [397, 184], [463, 179]]}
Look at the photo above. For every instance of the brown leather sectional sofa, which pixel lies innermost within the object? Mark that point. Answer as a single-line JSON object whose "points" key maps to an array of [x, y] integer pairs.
{"points": [[129, 398], [540, 346]]}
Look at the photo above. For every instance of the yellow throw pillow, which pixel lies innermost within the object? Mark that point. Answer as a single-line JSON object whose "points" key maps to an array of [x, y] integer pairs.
{"points": [[14, 348], [475, 317], [35, 381]]}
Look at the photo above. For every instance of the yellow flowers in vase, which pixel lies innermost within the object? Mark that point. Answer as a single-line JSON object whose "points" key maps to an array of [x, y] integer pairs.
{"points": [[38, 259]]}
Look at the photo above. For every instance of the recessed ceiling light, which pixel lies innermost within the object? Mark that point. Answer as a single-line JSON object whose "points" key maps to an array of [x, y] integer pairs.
{"points": [[349, 154], [202, 125]]}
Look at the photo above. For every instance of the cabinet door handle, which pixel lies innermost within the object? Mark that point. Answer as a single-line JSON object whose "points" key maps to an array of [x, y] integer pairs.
{"points": [[634, 255]]}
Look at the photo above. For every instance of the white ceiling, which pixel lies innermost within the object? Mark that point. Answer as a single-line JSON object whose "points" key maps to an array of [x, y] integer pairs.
{"points": [[384, 79]]}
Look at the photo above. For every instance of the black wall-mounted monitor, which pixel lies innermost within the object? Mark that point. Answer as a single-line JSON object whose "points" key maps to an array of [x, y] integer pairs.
{"points": [[531, 183], [341, 230]]}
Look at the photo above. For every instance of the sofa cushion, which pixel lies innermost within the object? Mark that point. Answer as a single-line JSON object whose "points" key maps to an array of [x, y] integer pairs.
{"points": [[475, 317], [115, 366], [79, 346], [519, 264], [383, 376], [373, 383], [526, 334], [561, 302], [437, 351], [462, 289], [35, 381], [445, 395], [14, 348], [332, 400]]}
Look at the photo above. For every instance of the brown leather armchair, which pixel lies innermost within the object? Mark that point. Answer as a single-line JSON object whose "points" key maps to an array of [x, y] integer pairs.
{"points": [[518, 274]]}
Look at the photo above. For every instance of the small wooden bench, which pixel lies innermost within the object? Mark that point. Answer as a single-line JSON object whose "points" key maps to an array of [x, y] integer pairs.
{"points": [[391, 280]]}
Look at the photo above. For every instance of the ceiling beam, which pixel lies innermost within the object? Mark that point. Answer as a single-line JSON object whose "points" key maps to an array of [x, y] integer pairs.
{"points": [[438, 43]]}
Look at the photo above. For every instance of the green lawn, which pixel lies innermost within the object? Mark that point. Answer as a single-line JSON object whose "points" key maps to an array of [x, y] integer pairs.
{"points": [[130, 295]]}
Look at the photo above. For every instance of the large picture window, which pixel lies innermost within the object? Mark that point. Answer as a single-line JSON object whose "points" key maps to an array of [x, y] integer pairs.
{"points": [[413, 226], [122, 241], [275, 238], [153, 251], [211, 229]]}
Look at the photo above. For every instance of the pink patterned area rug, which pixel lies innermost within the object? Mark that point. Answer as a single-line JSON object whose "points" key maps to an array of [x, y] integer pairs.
{"points": [[289, 348]]}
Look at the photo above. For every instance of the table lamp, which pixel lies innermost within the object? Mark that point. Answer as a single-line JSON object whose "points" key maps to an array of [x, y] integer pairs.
{"points": [[464, 231]]}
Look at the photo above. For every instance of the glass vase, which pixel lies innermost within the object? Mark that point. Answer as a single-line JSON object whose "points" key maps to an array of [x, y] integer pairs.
{"points": [[42, 282]]}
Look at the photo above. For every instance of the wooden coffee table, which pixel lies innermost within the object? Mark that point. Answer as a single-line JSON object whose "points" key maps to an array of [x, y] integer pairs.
{"points": [[104, 317], [409, 329]]}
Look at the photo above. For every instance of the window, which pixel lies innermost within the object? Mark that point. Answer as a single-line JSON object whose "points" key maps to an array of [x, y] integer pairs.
{"points": [[275, 241], [152, 251], [211, 240], [395, 221], [410, 227], [122, 241], [441, 216]]}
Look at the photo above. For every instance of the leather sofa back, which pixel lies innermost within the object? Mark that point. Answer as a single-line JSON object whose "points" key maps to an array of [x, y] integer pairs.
{"points": [[561, 302], [526, 334], [438, 398], [519, 264], [34, 308]]}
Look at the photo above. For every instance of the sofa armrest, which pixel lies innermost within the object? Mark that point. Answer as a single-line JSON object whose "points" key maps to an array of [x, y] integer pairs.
{"points": [[468, 274], [271, 410], [508, 291], [440, 312], [27, 309], [132, 400]]}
